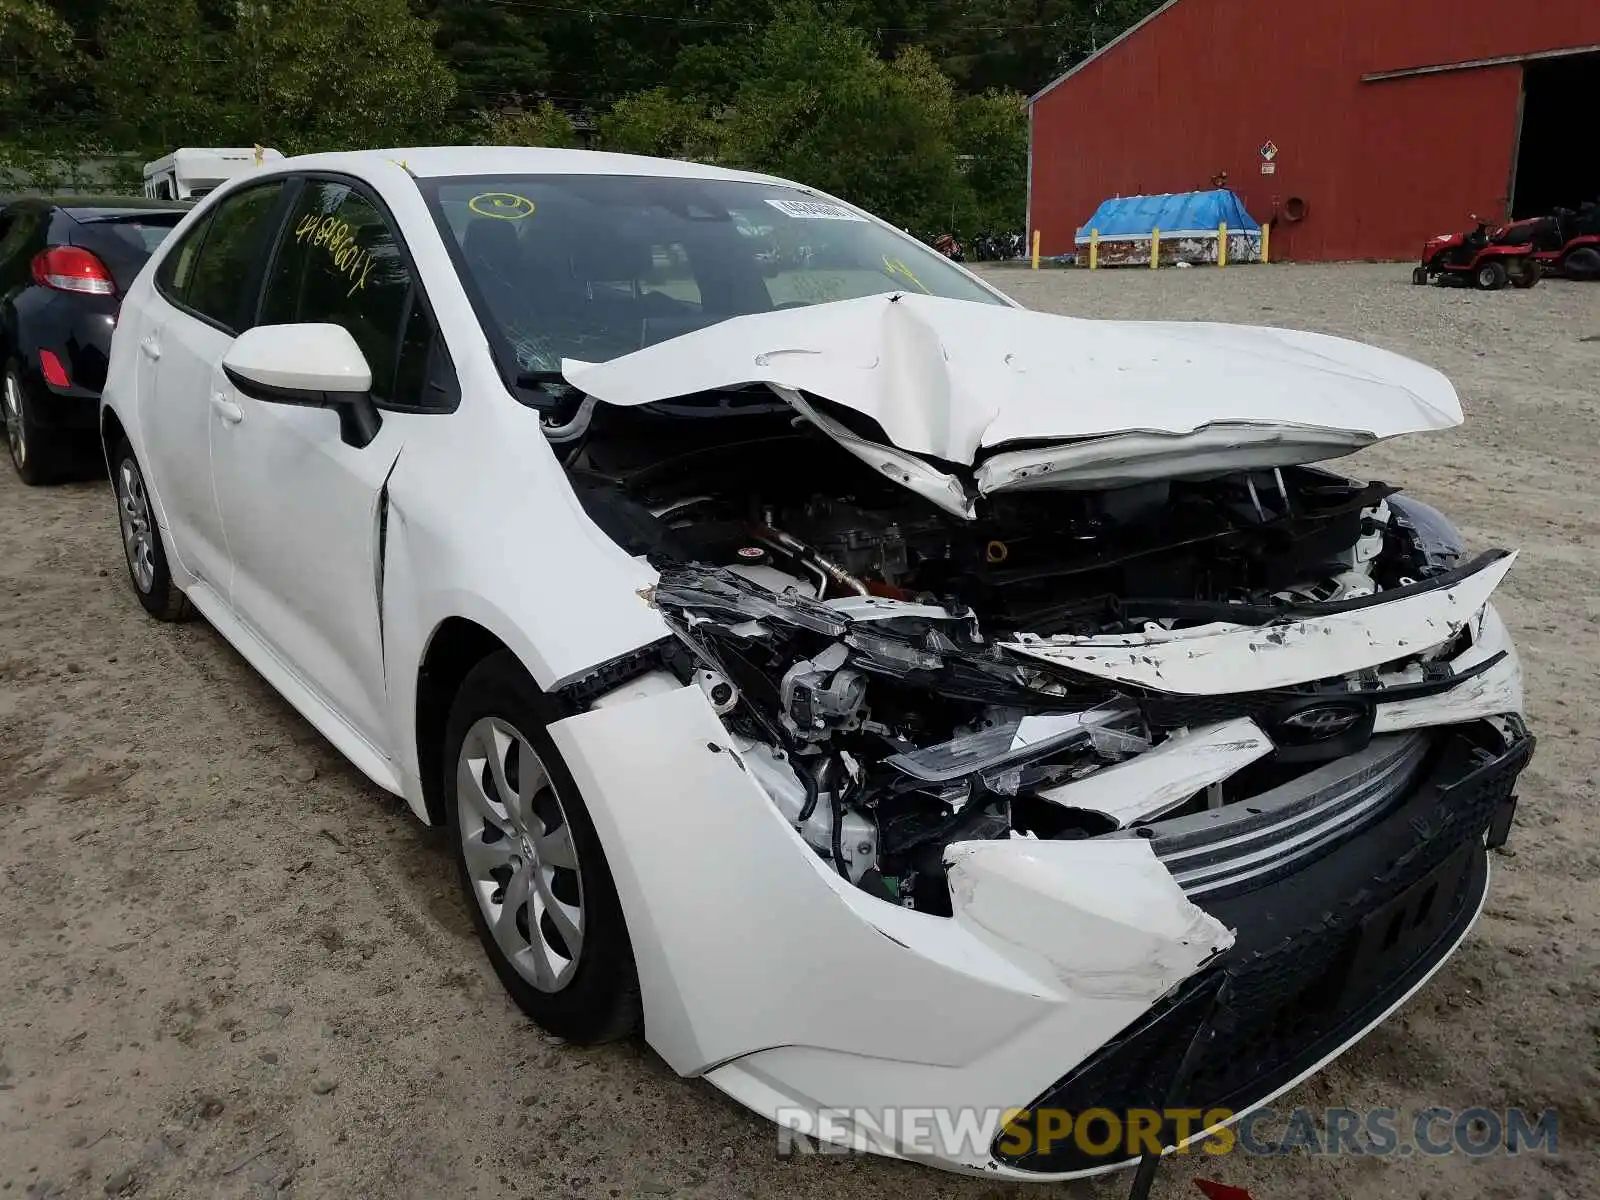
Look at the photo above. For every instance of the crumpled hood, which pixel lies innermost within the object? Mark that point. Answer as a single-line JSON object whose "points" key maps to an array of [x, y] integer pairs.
{"points": [[954, 379]]}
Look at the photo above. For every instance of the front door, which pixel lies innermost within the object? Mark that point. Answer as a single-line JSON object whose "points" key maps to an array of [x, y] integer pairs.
{"points": [[302, 510]]}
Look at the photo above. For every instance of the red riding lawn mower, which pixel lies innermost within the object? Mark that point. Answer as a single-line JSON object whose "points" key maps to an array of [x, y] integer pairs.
{"points": [[1477, 259], [1565, 243]]}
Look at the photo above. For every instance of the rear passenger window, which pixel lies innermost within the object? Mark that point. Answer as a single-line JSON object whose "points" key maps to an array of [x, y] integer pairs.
{"points": [[339, 262], [221, 283], [177, 268]]}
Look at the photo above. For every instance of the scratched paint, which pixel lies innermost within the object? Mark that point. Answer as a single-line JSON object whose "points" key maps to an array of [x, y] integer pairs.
{"points": [[1221, 658]]}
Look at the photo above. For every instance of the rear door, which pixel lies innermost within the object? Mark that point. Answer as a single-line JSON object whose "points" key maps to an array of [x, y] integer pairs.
{"points": [[205, 292]]}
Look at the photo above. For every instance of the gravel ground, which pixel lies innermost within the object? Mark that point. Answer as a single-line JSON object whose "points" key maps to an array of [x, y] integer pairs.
{"points": [[230, 967]]}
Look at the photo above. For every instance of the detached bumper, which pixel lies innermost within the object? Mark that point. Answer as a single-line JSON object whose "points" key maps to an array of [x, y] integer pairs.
{"points": [[1325, 949]]}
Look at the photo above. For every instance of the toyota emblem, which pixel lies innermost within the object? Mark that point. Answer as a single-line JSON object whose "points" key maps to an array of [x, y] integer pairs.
{"points": [[1324, 721]]}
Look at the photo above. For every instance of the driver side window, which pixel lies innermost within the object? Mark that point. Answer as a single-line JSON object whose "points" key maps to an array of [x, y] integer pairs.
{"points": [[339, 262]]}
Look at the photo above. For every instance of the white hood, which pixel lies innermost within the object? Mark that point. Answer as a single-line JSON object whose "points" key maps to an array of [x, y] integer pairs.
{"points": [[1115, 401]]}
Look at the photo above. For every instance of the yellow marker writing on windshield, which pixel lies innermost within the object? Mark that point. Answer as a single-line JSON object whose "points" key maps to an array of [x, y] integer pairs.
{"points": [[896, 267], [505, 205]]}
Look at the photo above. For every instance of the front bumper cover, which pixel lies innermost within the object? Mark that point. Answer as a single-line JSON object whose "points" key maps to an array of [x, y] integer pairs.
{"points": [[1321, 954]]}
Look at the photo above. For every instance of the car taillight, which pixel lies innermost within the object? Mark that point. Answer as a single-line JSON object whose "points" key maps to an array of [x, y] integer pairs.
{"points": [[72, 269]]}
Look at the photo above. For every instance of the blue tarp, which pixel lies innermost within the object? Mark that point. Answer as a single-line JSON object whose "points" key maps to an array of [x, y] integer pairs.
{"points": [[1184, 214]]}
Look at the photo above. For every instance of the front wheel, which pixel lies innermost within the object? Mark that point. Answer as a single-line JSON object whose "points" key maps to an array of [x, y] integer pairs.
{"points": [[1491, 276], [530, 863], [141, 540], [1527, 273], [1419, 275]]}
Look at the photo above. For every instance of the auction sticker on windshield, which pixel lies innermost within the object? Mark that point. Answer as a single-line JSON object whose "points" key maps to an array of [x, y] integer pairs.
{"points": [[815, 210]]}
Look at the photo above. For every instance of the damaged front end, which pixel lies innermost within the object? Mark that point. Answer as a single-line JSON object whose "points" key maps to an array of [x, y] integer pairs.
{"points": [[1334, 819], [887, 724], [1282, 691]]}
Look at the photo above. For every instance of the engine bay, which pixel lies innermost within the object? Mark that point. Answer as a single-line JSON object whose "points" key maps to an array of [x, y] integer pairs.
{"points": [[851, 635]]}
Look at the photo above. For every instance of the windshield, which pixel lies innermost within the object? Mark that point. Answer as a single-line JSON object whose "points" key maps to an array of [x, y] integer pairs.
{"points": [[596, 266]]}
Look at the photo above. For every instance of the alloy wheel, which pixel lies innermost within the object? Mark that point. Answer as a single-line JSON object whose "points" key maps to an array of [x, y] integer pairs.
{"points": [[16, 436], [138, 529], [519, 854]]}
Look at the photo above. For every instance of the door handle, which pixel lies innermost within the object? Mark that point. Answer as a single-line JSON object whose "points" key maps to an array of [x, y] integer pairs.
{"points": [[151, 348], [227, 409]]}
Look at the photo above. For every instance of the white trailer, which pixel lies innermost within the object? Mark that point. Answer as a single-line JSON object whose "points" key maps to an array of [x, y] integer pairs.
{"points": [[191, 172]]}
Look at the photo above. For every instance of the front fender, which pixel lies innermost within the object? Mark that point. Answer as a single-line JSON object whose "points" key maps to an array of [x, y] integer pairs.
{"points": [[508, 548], [747, 942]]}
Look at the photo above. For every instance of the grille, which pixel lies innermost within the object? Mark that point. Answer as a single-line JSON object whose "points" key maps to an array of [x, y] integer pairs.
{"points": [[1293, 998], [1221, 851]]}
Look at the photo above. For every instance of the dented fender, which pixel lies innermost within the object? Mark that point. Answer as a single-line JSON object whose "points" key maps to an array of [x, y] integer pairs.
{"points": [[508, 548]]}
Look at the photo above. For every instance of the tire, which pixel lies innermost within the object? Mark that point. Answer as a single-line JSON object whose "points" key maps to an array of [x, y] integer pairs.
{"points": [[1582, 263], [142, 548], [546, 850], [1527, 274], [1490, 276], [1419, 275], [38, 454]]}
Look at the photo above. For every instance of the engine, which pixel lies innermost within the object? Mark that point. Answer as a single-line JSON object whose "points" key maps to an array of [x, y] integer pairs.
{"points": [[850, 634]]}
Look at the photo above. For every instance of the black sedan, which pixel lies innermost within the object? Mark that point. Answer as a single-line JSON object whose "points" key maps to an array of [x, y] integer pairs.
{"points": [[64, 266]]}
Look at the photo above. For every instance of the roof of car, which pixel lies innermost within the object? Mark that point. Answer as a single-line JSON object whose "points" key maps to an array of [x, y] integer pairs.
{"points": [[435, 162]]}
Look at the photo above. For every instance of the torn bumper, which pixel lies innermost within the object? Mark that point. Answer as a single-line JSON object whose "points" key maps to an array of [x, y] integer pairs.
{"points": [[795, 991], [1072, 974], [1326, 946]]}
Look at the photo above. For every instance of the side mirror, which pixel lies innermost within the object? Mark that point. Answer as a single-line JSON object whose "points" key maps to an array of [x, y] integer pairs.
{"points": [[312, 365]]}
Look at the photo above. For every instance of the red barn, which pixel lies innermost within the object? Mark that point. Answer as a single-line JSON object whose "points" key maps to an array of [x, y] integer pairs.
{"points": [[1359, 127]]}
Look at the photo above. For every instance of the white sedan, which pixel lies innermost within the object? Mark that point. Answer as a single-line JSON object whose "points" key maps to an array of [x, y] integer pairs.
{"points": [[889, 700]]}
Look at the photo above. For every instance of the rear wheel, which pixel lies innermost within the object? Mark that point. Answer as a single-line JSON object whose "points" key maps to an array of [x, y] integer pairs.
{"points": [[530, 862], [37, 452], [1582, 263], [1491, 276], [141, 540]]}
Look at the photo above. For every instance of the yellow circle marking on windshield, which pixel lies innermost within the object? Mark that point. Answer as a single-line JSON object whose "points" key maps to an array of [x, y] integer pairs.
{"points": [[505, 205]]}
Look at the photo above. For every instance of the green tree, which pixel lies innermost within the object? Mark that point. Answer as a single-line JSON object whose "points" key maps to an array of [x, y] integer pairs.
{"points": [[657, 123], [337, 74], [36, 55], [822, 108], [157, 78], [541, 125], [992, 144], [497, 52]]}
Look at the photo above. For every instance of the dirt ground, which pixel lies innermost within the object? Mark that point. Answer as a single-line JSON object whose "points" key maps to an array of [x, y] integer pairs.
{"points": [[230, 967]]}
